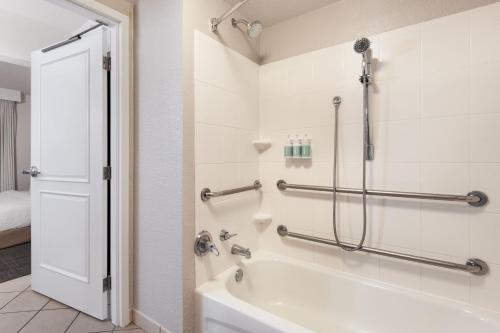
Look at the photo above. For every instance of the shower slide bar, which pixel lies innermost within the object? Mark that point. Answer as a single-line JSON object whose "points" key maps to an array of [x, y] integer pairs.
{"points": [[473, 266], [474, 198], [206, 193]]}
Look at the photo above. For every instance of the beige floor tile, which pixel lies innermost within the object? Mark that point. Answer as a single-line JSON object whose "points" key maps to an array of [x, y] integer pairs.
{"points": [[13, 322], [85, 324], [26, 301], [52, 305], [128, 327], [53, 321], [6, 298], [136, 330], [18, 284]]}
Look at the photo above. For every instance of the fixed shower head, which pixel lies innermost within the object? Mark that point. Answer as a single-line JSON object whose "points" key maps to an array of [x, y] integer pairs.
{"points": [[362, 45], [253, 28]]}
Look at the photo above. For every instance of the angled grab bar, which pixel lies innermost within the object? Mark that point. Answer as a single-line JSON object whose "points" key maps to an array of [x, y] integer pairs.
{"points": [[473, 266], [474, 198], [206, 193]]}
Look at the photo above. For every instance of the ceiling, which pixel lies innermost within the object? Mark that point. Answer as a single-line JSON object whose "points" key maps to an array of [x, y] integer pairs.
{"points": [[28, 25], [45, 13], [271, 12]]}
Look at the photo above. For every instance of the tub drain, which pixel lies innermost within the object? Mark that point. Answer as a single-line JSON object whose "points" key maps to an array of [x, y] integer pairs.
{"points": [[239, 275]]}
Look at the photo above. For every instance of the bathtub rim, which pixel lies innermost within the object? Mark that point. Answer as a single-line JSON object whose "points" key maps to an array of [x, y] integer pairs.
{"points": [[216, 290]]}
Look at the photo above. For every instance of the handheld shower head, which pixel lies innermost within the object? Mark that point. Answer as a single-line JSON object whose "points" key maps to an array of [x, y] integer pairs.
{"points": [[361, 45], [254, 28]]}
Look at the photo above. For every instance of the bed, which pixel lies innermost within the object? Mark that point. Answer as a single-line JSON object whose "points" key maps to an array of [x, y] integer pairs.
{"points": [[15, 218]]}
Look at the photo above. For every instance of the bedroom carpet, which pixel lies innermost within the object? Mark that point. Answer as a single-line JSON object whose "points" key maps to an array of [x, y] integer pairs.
{"points": [[15, 261]]}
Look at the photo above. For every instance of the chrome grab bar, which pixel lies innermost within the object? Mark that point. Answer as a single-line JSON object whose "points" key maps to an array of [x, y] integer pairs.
{"points": [[474, 266], [474, 198], [206, 193]]}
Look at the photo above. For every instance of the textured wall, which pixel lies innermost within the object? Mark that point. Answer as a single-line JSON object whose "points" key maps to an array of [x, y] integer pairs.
{"points": [[158, 150], [434, 113], [349, 19]]}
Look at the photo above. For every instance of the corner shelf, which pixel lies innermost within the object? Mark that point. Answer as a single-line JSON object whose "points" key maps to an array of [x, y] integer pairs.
{"points": [[262, 218], [262, 144]]}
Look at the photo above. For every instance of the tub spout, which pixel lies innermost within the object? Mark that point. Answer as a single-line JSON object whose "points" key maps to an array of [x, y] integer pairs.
{"points": [[241, 251]]}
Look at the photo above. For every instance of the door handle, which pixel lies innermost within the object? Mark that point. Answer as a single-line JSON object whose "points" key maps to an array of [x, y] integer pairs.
{"points": [[33, 171]]}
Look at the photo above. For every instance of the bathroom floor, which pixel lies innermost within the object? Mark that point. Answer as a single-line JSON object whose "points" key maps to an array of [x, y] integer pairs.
{"points": [[23, 310]]}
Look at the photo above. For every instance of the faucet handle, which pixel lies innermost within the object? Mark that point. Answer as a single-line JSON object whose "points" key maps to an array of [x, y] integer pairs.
{"points": [[212, 248], [225, 235], [204, 244]]}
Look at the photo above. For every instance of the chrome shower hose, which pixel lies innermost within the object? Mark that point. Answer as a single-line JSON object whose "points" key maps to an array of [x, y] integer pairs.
{"points": [[336, 102]]}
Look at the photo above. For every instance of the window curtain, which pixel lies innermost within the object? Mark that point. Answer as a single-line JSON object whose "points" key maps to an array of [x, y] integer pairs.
{"points": [[8, 127]]}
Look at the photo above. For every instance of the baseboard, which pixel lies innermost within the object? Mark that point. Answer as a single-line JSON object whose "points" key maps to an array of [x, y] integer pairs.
{"points": [[147, 324]]}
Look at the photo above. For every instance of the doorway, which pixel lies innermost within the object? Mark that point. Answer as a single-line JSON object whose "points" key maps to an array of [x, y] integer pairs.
{"points": [[115, 191]]}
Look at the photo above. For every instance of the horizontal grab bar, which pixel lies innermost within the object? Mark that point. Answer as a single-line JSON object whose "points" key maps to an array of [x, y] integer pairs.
{"points": [[474, 198], [206, 193], [474, 266]]}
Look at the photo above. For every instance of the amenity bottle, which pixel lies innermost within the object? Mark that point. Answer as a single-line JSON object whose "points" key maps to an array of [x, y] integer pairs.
{"points": [[306, 147]]}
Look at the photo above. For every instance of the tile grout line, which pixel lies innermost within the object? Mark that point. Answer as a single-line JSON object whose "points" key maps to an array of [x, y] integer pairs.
{"points": [[19, 293], [25, 324], [72, 322], [10, 312], [11, 300], [41, 310]]}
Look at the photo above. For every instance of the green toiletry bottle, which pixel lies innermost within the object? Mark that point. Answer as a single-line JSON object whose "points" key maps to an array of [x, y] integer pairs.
{"points": [[306, 147]]}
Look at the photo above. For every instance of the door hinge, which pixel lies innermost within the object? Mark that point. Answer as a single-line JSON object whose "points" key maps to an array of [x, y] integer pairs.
{"points": [[106, 63], [106, 173], [106, 283]]}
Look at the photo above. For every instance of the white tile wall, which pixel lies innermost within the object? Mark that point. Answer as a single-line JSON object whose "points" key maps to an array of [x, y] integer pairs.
{"points": [[435, 114], [227, 121]]}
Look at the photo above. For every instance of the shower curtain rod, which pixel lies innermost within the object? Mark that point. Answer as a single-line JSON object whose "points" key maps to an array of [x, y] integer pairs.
{"points": [[473, 266], [74, 38], [474, 198]]}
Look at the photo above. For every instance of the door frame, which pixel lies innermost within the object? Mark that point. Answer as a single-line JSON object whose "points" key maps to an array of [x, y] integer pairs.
{"points": [[121, 151]]}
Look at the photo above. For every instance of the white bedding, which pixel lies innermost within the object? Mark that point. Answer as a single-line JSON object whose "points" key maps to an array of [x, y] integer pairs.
{"points": [[15, 210]]}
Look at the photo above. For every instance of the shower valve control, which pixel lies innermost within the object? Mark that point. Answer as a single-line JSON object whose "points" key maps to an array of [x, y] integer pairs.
{"points": [[204, 244], [225, 235]]}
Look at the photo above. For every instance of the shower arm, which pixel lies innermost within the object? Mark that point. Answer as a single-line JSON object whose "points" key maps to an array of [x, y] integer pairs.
{"points": [[215, 21]]}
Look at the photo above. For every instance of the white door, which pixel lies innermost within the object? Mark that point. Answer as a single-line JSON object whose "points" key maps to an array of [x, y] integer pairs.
{"points": [[69, 195]]}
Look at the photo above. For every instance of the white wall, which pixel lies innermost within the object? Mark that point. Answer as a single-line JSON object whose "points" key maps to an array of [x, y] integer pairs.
{"points": [[158, 225], [435, 118], [23, 142], [227, 121]]}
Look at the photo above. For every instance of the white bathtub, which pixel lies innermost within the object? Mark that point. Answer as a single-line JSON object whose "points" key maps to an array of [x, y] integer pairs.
{"points": [[280, 294]]}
